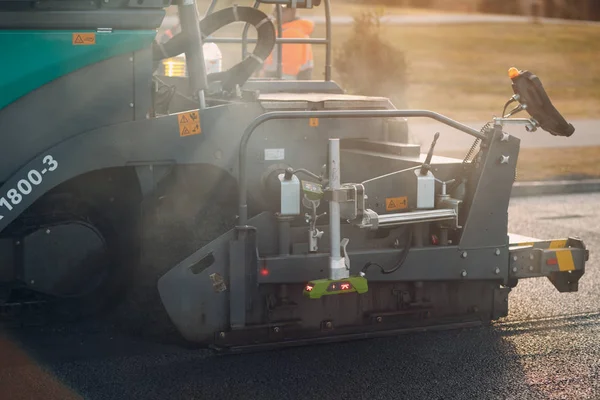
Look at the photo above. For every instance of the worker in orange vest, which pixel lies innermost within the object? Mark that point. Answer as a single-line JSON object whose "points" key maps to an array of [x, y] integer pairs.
{"points": [[297, 59]]}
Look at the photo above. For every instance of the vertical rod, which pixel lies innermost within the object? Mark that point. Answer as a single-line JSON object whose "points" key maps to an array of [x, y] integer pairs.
{"points": [[194, 55], [284, 235], [245, 35], [328, 39], [211, 8], [279, 45], [337, 268], [444, 237]]}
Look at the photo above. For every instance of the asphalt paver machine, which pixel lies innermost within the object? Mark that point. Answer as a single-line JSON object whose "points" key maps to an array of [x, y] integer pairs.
{"points": [[344, 230]]}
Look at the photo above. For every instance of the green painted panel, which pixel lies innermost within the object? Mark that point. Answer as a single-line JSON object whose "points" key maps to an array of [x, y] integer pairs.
{"points": [[31, 59]]}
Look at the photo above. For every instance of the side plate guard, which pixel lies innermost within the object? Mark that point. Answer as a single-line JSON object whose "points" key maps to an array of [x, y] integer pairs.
{"points": [[562, 261]]}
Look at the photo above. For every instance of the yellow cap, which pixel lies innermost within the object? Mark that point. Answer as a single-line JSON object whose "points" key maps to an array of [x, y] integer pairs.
{"points": [[513, 73]]}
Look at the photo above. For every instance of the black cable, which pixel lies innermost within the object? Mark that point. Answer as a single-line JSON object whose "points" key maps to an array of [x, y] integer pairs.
{"points": [[399, 263], [506, 106]]}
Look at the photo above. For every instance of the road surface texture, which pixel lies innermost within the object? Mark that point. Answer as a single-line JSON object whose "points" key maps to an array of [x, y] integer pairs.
{"points": [[547, 348]]}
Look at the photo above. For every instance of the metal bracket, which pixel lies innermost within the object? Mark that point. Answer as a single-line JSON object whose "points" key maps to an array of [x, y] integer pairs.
{"points": [[344, 252]]}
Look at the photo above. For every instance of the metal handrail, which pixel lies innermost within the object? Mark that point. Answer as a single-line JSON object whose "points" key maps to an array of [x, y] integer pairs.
{"points": [[279, 40], [250, 129]]}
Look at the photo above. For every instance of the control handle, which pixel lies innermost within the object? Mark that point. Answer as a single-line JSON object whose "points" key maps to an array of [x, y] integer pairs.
{"points": [[427, 164]]}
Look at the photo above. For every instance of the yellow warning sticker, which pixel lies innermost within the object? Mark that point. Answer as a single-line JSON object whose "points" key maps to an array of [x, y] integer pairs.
{"points": [[314, 122], [84, 39], [189, 123], [396, 203]]}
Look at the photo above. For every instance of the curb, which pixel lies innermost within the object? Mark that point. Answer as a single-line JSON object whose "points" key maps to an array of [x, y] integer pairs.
{"points": [[540, 188]]}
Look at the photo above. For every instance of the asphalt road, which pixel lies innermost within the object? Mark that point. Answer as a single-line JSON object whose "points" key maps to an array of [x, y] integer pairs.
{"points": [[547, 348]]}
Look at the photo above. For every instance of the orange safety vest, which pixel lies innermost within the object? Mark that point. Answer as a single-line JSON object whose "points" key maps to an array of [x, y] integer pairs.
{"points": [[295, 57]]}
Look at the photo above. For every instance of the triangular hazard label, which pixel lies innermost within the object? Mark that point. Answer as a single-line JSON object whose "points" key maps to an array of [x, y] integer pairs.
{"points": [[183, 120], [78, 39], [391, 204], [185, 131]]}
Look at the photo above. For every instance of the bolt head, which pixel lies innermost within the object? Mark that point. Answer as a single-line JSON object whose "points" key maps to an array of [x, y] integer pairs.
{"points": [[515, 258], [497, 252], [379, 319], [464, 254], [328, 324], [47, 231], [505, 137], [463, 273], [32, 282], [222, 335], [514, 269], [504, 159], [276, 329], [531, 267], [531, 256], [497, 271]]}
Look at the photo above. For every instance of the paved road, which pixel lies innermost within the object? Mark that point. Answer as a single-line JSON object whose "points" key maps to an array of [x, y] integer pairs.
{"points": [[587, 133], [551, 357]]}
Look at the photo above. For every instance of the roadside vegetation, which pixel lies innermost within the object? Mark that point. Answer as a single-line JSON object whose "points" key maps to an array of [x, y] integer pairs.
{"points": [[461, 70]]}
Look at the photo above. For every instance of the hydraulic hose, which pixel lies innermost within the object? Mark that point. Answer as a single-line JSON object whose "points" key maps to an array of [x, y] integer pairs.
{"points": [[241, 72]]}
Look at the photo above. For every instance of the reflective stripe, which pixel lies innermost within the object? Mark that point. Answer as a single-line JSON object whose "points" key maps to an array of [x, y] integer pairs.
{"points": [[565, 260], [257, 58]]}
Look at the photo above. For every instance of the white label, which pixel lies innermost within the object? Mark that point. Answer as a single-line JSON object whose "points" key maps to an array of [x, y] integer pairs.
{"points": [[26, 185], [274, 154]]}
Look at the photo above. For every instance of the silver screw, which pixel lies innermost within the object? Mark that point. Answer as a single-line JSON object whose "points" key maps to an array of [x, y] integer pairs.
{"points": [[222, 334], [531, 267], [47, 231], [396, 243], [32, 282], [531, 256], [276, 329], [463, 273], [514, 269], [497, 252], [18, 243], [328, 324], [464, 254], [515, 258], [379, 319], [505, 137], [497, 271], [504, 159], [131, 105]]}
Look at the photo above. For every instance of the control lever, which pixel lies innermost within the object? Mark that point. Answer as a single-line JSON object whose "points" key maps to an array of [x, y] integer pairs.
{"points": [[426, 167]]}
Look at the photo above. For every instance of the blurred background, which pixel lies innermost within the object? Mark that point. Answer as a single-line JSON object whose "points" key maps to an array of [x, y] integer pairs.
{"points": [[452, 57]]}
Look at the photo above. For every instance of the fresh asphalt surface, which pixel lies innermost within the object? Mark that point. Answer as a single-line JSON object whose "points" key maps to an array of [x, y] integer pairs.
{"points": [[547, 348]]}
